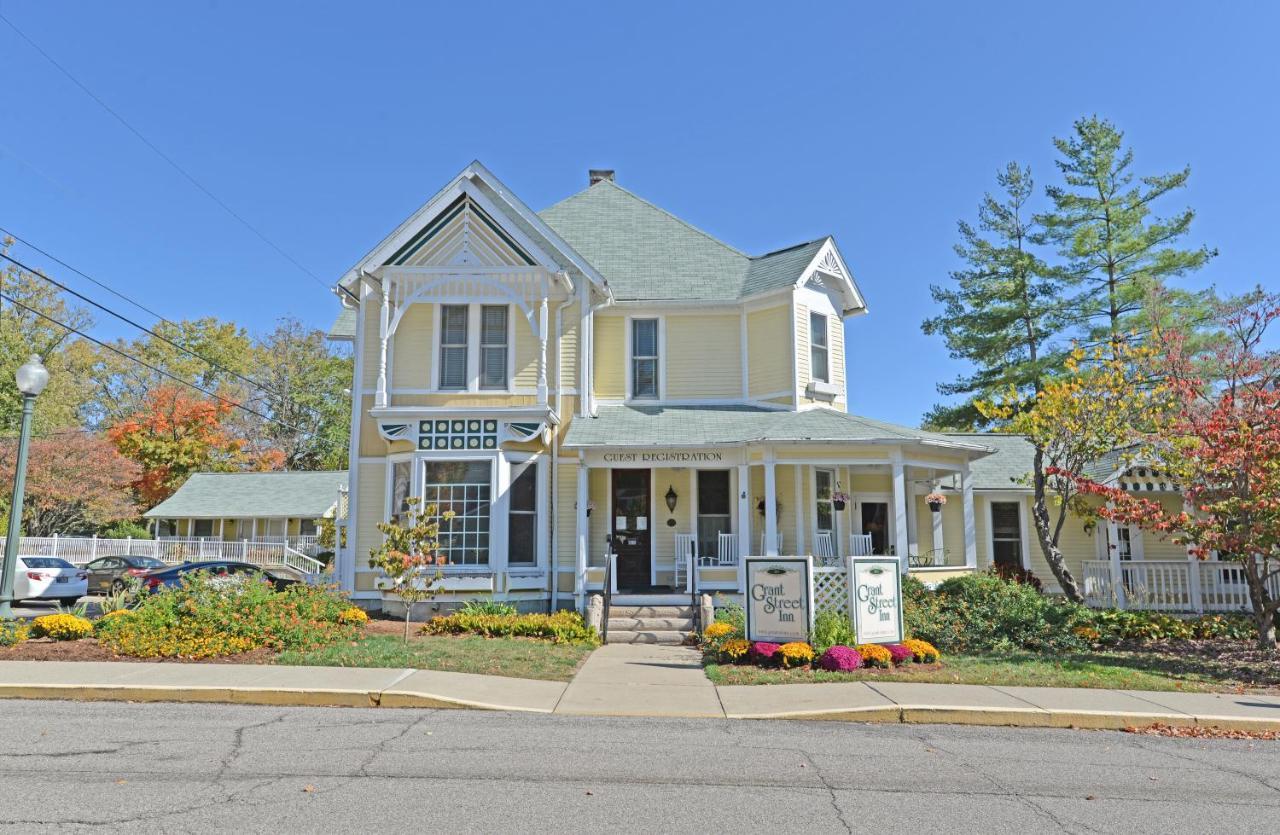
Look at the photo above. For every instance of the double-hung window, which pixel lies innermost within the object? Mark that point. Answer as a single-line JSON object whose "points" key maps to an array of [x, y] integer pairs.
{"points": [[644, 359], [522, 515], [822, 495], [453, 346], [713, 510], [493, 346], [819, 350], [1006, 534]]}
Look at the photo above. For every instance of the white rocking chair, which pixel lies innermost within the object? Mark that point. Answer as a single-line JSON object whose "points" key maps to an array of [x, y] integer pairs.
{"points": [[860, 544], [823, 550], [727, 549], [686, 549]]}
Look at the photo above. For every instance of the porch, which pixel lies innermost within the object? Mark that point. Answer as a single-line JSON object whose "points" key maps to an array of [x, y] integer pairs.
{"points": [[1188, 585]]}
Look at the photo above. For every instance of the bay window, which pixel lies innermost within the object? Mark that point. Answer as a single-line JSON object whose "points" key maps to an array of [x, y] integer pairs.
{"points": [[522, 515], [463, 488]]}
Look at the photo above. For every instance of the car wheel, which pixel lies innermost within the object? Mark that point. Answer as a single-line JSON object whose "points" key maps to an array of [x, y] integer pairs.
{"points": [[118, 586]]}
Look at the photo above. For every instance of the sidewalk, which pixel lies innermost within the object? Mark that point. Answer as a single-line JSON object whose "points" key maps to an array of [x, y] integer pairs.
{"points": [[634, 680]]}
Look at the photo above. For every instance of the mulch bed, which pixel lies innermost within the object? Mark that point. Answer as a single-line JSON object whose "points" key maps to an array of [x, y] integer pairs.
{"points": [[88, 649], [1221, 659]]}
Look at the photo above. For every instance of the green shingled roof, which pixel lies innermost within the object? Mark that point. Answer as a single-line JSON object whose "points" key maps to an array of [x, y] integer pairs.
{"points": [[1004, 469], [307, 495], [656, 426], [344, 327], [645, 252]]}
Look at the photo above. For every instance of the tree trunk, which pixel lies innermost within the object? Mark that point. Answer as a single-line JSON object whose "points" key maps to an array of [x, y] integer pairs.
{"points": [[1052, 554], [408, 611], [1264, 616]]}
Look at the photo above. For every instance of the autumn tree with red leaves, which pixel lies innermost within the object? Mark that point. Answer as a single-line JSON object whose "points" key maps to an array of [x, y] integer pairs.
{"points": [[174, 434], [77, 483], [1221, 444]]}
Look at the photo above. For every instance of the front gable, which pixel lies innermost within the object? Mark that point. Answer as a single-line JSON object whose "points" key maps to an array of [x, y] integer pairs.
{"points": [[827, 272]]}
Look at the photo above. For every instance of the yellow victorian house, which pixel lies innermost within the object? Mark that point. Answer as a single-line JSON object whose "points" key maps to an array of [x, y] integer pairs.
{"points": [[603, 378]]}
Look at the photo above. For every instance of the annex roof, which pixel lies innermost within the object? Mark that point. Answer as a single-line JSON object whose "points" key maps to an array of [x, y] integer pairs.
{"points": [[630, 425], [307, 495]]}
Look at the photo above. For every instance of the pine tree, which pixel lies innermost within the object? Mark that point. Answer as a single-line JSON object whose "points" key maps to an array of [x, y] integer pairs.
{"points": [[1001, 314], [1119, 255]]}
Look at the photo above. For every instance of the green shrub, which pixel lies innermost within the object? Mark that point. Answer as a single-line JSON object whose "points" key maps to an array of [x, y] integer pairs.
{"points": [[1235, 627], [208, 617], [832, 629], [488, 607], [984, 613], [124, 529], [731, 613], [13, 632], [1116, 626], [560, 627]]}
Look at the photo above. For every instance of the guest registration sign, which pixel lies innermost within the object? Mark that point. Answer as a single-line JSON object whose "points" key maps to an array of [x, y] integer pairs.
{"points": [[877, 600], [779, 599]]}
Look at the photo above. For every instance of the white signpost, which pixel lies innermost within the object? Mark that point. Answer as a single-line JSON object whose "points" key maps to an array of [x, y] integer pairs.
{"points": [[779, 599], [875, 595]]}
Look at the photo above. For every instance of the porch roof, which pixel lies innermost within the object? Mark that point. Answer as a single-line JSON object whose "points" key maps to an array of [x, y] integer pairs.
{"points": [[632, 425], [308, 495]]}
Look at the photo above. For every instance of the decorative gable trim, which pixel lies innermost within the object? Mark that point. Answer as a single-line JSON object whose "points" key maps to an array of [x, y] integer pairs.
{"points": [[828, 271]]}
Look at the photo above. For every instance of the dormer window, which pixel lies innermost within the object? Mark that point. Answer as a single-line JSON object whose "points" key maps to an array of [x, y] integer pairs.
{"points": [[644, 359], [453, 346], [819, 350]]}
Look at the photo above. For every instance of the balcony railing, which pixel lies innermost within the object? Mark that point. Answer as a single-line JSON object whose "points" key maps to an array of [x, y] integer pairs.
{"points": [[1169, 585], [82, 549]]}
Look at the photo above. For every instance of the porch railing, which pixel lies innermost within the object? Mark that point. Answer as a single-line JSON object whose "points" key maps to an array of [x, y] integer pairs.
{"points": [[79, 550], [1169, 585]]}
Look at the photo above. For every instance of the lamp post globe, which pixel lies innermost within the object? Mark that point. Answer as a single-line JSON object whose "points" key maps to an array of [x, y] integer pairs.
{"points": [[31, 378]]}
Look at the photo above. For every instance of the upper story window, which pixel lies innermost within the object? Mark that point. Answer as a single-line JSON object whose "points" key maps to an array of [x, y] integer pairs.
{"points": [[493, 346], [644, 359], [453, 346], [819, 350]]}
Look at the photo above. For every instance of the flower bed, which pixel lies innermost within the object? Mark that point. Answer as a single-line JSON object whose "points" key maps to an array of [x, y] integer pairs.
{"points": [[559, 627]]}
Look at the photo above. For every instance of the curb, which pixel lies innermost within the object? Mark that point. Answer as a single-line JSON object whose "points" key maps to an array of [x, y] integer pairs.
{"points": [[1014, 718]]}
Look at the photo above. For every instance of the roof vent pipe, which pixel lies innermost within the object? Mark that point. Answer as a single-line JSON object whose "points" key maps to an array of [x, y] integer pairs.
{"points": [[599, 175]]}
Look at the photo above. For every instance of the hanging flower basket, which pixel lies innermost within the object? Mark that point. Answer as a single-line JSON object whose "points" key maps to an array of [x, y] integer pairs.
{"points": [[839, 499], [935, 502]]}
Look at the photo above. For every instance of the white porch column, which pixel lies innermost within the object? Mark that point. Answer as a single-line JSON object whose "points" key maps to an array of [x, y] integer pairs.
{"points": [[384, 327], [1194, 591], [770, 507], [970, 519], [1113, 556], [939, 545], [744, 523], [584, 533], [799, 471], [900, 513], [542, 352]]}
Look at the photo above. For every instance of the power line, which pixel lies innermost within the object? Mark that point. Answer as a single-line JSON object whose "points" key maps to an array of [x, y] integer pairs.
{"points": [[85, 276], [172, 163], [165, 339], [148, 365]]}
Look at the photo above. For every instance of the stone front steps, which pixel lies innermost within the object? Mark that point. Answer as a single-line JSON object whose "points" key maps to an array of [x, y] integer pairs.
{"points": [[650, 624]]}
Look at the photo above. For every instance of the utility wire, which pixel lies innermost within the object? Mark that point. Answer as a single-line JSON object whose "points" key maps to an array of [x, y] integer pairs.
{"points": [[85, 275], [148, 365], [172, 163], [165, 339]]}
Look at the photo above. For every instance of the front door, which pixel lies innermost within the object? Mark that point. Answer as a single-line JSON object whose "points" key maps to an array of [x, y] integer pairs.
{"points": [[631, 529], [875, 521]]}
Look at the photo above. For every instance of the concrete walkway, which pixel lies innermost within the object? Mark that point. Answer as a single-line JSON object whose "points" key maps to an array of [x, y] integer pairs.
{"points": [[641, 680], [634, 680]]}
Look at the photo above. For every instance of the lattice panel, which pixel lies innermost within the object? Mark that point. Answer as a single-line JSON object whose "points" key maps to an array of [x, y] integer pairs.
{"points": [[830, 590]]}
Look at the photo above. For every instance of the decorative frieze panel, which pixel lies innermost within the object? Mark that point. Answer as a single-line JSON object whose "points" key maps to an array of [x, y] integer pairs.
{"points": [[458, 434]]}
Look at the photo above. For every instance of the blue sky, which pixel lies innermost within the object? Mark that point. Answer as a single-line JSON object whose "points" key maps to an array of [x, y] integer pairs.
{"points": [[765, 124]]}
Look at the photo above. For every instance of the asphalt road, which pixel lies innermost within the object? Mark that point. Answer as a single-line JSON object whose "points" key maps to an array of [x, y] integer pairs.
{"points": [[74, 765]]}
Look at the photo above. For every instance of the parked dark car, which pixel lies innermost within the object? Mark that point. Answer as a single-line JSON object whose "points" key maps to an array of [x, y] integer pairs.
{"points": [[111, 573], [172, 576]]}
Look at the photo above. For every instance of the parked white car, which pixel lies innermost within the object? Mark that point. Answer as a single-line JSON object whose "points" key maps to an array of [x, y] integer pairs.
{"points": [[49, 578]]}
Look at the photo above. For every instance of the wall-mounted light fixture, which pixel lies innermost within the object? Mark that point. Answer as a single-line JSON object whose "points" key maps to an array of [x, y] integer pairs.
{"points": [[671, 498]]}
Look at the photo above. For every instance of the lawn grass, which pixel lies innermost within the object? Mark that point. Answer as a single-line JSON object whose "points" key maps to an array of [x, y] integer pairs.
{"points": [[1101, 670], [517, 657]]}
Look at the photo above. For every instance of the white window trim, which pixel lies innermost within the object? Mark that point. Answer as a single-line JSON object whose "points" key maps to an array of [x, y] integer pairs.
{"points": [[541, 509], [827, 348], [630, 362], [473, 349], [1024, 545]]}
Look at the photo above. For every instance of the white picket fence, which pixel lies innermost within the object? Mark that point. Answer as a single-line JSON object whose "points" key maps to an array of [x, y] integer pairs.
{"points": [[1169, 585], [82, 549]]}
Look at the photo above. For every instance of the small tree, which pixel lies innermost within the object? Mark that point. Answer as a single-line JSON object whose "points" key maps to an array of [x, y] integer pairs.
{"points": [[1221, 444], [76, 483], [410, 548], [1073, 421]]}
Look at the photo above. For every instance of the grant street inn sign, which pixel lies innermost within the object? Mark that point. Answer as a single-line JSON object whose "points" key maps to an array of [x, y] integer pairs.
{"points": [[877, 601], [779, 599]]}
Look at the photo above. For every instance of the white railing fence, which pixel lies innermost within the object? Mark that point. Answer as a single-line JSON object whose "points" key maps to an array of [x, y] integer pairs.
{"points": [[1169, 585], [82, 549]]}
